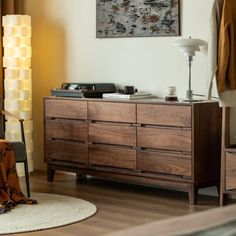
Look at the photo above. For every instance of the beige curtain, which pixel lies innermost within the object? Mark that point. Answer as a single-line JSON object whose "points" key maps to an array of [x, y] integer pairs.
{"points": [[6, 7]]}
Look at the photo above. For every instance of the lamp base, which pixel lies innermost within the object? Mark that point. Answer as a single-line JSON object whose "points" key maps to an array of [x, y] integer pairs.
{"points": [[189, 94], [189, 97], [191, 100]]}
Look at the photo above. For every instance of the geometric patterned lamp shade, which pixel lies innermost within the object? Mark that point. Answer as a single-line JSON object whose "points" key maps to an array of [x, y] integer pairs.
{"points": [[17, 79]]}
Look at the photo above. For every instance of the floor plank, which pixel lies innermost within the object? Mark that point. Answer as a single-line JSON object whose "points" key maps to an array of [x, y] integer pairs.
{"points": [[120, 205]]}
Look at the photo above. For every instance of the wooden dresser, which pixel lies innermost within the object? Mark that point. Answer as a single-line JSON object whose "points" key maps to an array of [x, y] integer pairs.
{"points": [[168, 144]]}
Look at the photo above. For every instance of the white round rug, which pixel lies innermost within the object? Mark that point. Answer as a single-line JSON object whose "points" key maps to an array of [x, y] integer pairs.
{"points": [[51, 211]]}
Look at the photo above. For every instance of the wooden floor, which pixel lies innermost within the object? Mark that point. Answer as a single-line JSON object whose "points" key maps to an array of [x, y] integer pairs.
{"points": [[119, 205]]}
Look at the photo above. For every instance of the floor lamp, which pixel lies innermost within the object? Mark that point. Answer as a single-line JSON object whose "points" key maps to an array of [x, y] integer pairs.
{"points": [[189, 46], [17, 78]]}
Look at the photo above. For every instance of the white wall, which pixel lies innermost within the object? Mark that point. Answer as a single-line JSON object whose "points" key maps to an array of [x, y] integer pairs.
{"points": [[65, 48]]}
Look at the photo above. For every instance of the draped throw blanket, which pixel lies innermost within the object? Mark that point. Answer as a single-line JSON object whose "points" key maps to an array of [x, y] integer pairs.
{"points": [[226, 74], [213, 42], [226, 79], [222, 51], [10, 192]]}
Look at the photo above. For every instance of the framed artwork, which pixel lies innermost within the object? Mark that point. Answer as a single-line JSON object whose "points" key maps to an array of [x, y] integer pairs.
{"points": [[137, 18]]}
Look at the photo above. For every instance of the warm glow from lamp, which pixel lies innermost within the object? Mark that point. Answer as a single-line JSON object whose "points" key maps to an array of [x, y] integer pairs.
{"points": [[189, 46], [17, 78]]}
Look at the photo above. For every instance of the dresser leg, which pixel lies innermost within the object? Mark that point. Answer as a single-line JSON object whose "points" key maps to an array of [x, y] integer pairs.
{"points": [[223, 199], [193, 194], [50, 173]]}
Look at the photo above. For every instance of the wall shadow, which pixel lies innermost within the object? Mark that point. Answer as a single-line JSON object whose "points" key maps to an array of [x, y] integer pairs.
{"points": [[48, 66]]}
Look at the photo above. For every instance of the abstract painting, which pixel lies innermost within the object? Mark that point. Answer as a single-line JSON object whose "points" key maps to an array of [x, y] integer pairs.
{"points": [[137, 18]]}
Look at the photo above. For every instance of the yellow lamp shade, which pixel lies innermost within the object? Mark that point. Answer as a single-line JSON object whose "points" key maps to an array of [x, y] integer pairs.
{"points": [[17, 73], [17, 51], [16, 20], [16, 41], [18, 78], [13, 31], [16, 62]]}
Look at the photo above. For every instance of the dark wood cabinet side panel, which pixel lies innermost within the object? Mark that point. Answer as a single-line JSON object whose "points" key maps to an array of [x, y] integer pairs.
{"points": [[112, 156], [112, 134], [66, 151], [60, 108], [230, 170], [168, 115], [66, 129], [111, 111], [168, 139], [207, 119], [166, 163]]}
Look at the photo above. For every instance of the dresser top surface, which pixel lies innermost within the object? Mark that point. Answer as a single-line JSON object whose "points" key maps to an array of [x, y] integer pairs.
{"points": [[139, 101]]}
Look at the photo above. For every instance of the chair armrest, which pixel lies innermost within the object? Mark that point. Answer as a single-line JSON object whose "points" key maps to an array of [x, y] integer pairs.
{"points": [[7, 113]]}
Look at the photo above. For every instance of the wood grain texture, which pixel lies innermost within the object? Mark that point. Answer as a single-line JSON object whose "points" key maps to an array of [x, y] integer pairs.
{"points": [[188, 133], [112, 156], [112, 134], [66, 151], [120, 205], [111, 111], [164, 115], [165, 182], [207, 120], [213, 222], [65, 108], [166, 163], [230, 171], [225, 143], [167, 139], [66, 129]]}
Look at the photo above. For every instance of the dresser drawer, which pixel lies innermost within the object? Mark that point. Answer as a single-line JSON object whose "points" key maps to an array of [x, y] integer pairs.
{"points": [[112, 156], [66, 129], [111, 111], [66, 109], [165, 163], [112, 134], [66, 151], [230, 170], [167, 139], [164, 115]]}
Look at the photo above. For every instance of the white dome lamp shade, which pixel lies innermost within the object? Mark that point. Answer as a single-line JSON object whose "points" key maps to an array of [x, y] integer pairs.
{"points": [[189, 46]]}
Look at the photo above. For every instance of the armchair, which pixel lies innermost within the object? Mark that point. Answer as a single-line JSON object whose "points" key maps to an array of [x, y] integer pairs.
{"points": [[19, 148]]}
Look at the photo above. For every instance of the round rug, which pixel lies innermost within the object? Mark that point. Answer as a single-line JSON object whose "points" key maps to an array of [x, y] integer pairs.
{"points": [[51, 211]]}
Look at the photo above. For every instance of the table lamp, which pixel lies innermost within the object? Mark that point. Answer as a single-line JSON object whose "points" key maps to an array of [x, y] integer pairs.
{"points": [[189, 46]]}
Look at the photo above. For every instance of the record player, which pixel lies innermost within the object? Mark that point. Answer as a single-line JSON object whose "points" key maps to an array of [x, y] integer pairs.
{"points": [[87, 90]]}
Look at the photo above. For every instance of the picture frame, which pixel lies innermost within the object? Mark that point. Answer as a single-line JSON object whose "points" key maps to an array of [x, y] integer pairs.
{"points": [[137, 18]]}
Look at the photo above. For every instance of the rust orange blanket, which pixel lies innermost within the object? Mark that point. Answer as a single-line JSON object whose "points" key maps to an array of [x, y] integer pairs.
{"points": [[10, 192]]}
